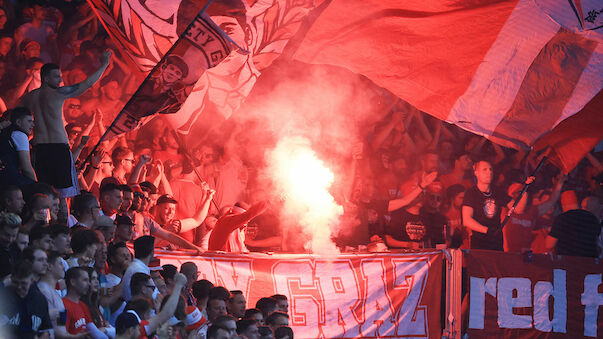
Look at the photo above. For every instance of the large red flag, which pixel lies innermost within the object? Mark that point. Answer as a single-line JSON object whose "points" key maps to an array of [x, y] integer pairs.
{"points": [[508, 70]]}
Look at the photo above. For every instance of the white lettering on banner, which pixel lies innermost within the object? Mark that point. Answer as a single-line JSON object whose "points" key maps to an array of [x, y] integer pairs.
{"points": [[377, 311], [592, 300], [542, 293], [506, 302], [412, 277], [235, 274], [339, 289], [477, 300], [290, 277], [511, 293]]}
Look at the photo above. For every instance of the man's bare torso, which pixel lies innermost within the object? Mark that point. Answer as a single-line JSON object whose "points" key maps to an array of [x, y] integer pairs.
{"points": [[47, 106]]}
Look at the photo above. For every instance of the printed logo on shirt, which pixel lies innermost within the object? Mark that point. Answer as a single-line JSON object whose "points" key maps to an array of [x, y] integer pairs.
{"points": [[415, 230], [36, 322], [81, 322], [489, 207]]}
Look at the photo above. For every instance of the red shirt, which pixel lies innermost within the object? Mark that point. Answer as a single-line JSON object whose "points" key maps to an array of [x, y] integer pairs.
{"points": [[78, 316]]}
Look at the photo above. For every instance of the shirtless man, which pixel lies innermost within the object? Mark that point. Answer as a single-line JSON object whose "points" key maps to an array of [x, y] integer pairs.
{"points": [[52, 157]]}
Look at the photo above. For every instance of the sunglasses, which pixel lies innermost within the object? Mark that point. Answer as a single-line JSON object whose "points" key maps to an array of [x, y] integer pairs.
{"points": [[74, 106]]}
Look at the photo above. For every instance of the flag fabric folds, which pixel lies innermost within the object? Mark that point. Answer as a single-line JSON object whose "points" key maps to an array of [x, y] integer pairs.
{"points": [[145, 30], [508, 70], [200, 47]]}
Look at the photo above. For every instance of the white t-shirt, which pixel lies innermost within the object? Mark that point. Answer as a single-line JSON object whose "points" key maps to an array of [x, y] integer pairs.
{"points": [[20, 140]]}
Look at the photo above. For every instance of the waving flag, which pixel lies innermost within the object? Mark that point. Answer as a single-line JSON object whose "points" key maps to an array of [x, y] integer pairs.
{"points": [[146, 30], [200, 47], [508, 70]]}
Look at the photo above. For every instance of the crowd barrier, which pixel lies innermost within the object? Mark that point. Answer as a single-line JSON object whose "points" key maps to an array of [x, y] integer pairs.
{"points": [[419, 294]]}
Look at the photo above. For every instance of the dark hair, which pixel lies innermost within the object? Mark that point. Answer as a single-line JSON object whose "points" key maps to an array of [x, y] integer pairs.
{"points": [[219, 292], [32, 61], [266, 305], [233, 293], [28, 254], [73, 273], [223, 318], [124, 322], [112, 250], [212, 331], [53, 256], [138, 305], [46, 69], [169, 272], [188, 265], [91, 300], [279, 297], [38, 232], [58, 229], [18, 113], [453, 191], [144, 246], [243, 325], [108, 187], [21, 270], [250, 312], [282, 332], [272, 317], [125, 188], [138, 281], [81, 240], [40, 187], [201, 288]]}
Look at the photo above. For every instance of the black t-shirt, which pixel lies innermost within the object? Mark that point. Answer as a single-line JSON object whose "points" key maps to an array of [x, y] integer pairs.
{"points": [[486, 210], [25, 317], [424, 228], [436, 225], [576, 232], [7, 259]]}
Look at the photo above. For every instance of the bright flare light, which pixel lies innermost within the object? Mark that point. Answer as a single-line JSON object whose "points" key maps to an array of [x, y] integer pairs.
{"points": [[304, 180]]}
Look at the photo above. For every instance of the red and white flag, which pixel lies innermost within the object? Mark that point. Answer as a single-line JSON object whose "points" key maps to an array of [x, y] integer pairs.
{"points": [[146, 30], [508, 70]]}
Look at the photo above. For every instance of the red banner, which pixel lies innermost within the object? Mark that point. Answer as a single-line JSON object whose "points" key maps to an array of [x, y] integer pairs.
{"points": [[348, 296], [541, 296]]}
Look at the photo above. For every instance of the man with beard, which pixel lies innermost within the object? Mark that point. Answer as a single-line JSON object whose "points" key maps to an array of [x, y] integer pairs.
{"points": [[52, 156]]}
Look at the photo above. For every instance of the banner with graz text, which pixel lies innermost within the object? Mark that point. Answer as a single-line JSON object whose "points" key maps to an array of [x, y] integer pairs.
{"points": [[386, 295]]}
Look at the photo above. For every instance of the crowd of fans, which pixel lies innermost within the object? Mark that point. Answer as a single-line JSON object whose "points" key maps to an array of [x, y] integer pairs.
{"points": [[67, 271]]}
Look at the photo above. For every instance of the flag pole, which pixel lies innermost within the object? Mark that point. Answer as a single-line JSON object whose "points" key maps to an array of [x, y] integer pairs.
{"points": [[523, 191], [81, 166]]}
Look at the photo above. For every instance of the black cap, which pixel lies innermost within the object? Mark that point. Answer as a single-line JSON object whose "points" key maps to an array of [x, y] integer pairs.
{"points": [[125, 321], [166, 198]]}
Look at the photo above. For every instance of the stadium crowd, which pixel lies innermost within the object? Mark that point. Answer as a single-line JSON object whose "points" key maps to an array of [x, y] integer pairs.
{"points": [[68, 227]]}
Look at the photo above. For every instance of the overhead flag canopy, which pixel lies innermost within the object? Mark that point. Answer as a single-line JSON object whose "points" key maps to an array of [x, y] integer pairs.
{"points": [[508, 70]]}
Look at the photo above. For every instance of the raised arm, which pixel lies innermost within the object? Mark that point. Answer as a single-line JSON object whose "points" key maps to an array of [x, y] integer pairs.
{"points": [[199, 217], [174, 239], [77, 89], [170, 306]]}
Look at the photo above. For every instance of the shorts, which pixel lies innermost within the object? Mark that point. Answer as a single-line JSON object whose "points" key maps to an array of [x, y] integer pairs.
{"points": [[54, 165]]}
